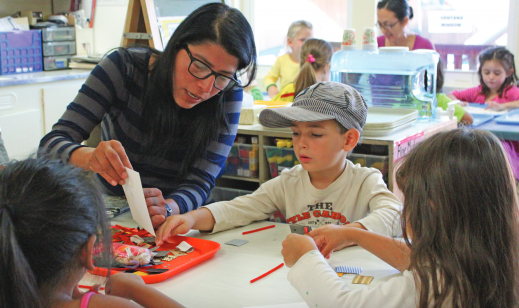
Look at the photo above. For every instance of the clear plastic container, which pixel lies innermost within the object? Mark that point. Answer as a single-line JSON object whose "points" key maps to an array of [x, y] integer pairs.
{"points": [[392, 80], [58, 34], [59, 48], [55, 63], [242, 161]]}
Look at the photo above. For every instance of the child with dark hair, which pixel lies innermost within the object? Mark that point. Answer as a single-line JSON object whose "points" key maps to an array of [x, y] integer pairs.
{"points": [[4, 158], [498, 81], [460, 226], [463, 116], [498, 88], [51, 215]]}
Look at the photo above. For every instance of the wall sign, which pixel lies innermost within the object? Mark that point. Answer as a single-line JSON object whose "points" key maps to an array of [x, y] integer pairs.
{"points": [[448, 22]]}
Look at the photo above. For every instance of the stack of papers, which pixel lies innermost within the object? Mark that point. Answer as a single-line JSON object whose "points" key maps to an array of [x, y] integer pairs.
{"points": [[385, 121], [85, 62]]}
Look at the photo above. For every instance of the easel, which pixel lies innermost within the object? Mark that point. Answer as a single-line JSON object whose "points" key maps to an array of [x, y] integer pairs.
{"points": [[141, 25]]}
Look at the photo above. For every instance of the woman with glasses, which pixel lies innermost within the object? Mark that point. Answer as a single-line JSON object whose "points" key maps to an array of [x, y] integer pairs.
{"points": [[392, 17], [172, 116]]}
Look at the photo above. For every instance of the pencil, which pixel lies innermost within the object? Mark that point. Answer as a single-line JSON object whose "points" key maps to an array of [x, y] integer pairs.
{"points": [[267, 273], [256, 230]]}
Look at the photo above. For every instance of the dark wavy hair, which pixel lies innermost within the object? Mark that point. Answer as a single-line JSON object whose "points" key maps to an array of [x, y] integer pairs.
{"points": [[48, 211], [399, 7], [461, 220], [164, 121], [506, 58]]}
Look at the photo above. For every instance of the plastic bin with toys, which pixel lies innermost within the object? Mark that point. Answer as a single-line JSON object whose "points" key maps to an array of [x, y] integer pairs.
{"points": [[243, 158], [281, 156]]}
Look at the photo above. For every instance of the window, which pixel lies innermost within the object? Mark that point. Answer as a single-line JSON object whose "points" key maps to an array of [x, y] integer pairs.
{"points": [[273, 17], [461, 29]]}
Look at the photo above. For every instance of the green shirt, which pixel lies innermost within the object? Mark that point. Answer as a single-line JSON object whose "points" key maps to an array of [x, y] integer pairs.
{"points": [[443, 99]]}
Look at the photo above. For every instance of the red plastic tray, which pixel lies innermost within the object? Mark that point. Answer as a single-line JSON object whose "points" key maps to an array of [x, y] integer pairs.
{"points": [[204, 250]]}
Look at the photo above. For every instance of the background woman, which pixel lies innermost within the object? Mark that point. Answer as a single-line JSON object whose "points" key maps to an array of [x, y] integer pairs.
{"points": [[392, 18], [172, 116]]}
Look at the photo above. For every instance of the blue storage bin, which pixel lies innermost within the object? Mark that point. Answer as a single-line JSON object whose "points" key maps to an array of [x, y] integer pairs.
{"points": [[20, 52]]}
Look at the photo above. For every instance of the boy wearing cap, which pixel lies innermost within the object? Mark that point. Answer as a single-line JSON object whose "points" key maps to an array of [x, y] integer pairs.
{"points": [[326, 188]]}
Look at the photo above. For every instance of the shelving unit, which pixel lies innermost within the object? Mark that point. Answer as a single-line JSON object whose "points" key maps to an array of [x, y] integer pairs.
{"points": [[398, 145]]}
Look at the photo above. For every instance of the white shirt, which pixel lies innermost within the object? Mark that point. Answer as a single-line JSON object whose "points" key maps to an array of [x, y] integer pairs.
{"points": [[358, 195], [319, 286]]}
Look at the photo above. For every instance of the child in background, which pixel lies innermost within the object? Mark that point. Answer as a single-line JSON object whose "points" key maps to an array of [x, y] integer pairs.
{"points": [[326, 188], [498, 89], [498, 81], [50, 216], [316, 55], [460, 224], [286, 67], [442, 99]]}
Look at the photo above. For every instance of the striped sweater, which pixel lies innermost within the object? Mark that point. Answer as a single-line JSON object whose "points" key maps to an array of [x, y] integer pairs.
{"points": [[111, 96]]}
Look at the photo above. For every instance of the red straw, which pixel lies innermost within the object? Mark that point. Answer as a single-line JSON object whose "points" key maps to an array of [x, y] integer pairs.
{"points": [[306, 230], [89, 288], [260, 229], [267, 273]]}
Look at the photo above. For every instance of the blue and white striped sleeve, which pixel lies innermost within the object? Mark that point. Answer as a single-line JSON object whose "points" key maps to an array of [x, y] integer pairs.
{"points": [[86, 111], [193, 193]]}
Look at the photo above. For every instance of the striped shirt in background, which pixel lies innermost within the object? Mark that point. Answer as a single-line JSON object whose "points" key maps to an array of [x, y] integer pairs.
{"points": [[111, 96]]}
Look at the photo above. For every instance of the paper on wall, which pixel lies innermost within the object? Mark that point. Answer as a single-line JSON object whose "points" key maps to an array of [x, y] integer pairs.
{"points": [[135, 196], [8, 24]]}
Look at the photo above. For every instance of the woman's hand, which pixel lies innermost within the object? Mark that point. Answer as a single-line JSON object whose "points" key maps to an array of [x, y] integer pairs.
{"points": [[157, 206], [295, 246], [176, 224], [332, 237], [109, 160], [123, 284]]}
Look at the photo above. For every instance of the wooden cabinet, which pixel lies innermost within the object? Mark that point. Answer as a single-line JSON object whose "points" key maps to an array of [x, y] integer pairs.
{"points": [[28, 111]]}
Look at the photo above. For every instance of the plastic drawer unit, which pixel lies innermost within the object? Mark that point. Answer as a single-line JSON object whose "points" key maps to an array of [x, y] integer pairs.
{"points": [[56, 34], [59, 48]]}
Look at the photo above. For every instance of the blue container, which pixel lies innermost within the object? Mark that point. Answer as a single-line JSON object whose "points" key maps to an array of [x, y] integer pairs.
{"points": [[20, 52], [393, 80]]}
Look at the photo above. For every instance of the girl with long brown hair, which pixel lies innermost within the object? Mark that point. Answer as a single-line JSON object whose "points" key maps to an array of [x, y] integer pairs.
{"points": [[460, 225]]}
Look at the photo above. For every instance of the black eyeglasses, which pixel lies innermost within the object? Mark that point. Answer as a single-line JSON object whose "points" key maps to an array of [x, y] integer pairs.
{"points": [[387, 27], [200, 70]]}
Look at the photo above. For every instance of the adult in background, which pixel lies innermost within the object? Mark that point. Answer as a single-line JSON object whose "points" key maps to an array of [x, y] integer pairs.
{"points": [[392, 18], [172, 116]]}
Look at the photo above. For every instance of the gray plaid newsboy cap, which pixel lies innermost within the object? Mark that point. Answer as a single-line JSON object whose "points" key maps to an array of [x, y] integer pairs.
{"points": [[323, 101]]}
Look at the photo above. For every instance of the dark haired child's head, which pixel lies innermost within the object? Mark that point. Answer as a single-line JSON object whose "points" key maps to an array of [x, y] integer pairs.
{"points": [[496, 70], [50, 214], [440, 76], [326, 120], [316, 55], [460, 218]]}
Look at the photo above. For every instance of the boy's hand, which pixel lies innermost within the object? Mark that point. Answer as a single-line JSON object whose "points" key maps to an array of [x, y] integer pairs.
{"points": [[295, 246], [176, 224], [332, 237], [123, 284]]}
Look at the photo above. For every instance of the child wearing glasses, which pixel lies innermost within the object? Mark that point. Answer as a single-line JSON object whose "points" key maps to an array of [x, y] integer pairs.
{"points": [[286, 67], [172, 115], [392, 18], [325, 189]]}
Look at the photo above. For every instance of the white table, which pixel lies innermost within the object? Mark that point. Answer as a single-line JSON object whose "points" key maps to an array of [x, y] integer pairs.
{"points": [[224, 280]]}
